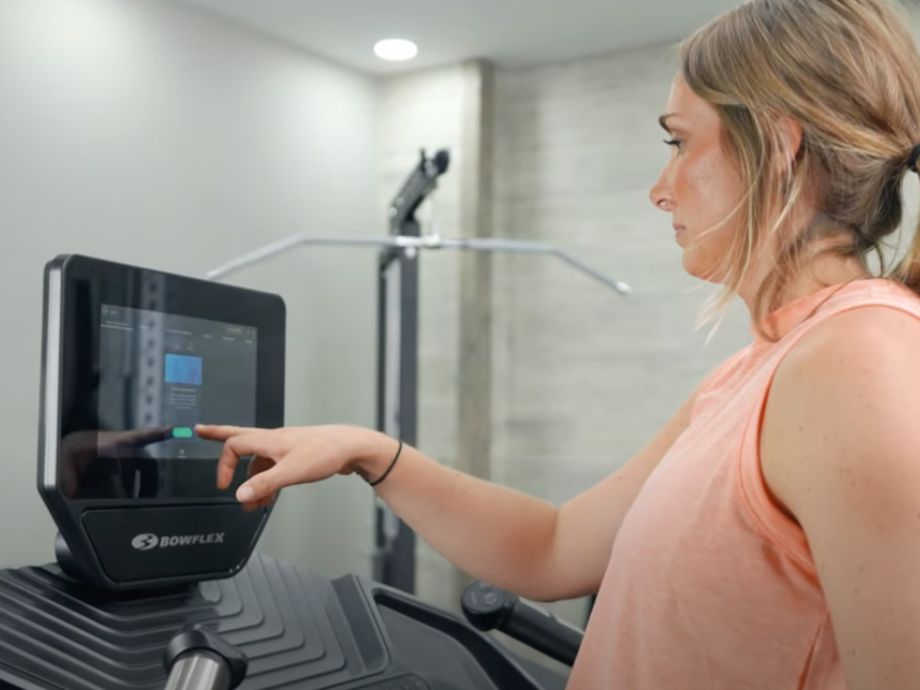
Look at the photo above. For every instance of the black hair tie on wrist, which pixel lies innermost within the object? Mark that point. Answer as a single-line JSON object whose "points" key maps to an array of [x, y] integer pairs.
{"points": [[390, 468], [912, 161]]}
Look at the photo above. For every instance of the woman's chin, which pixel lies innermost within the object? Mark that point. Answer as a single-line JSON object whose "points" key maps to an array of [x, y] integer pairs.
{"points": [[693, 266]]}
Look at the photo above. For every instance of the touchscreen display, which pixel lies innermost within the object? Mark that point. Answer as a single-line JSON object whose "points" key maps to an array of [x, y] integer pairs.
{"points": [[160, 374]]}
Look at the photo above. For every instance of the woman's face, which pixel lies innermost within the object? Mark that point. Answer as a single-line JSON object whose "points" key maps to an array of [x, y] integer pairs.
{"points": [[700, 186]]}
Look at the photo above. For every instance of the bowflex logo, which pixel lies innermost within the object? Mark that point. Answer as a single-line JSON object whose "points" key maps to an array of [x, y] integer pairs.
{"points": [[148, 541], [145, 542]]}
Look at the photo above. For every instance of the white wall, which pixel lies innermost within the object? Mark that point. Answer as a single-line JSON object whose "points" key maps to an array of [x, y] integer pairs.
{"points": [[141, 132]]}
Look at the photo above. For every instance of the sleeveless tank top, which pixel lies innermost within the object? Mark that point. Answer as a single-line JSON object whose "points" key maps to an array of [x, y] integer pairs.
{"points": [[710, 585]]}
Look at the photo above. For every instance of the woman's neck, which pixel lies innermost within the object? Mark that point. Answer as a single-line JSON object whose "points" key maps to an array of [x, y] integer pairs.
{"points": [[824, 270]]}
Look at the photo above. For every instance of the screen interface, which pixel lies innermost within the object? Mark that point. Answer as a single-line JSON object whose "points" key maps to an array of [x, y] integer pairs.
{"points": [[160, 374]]}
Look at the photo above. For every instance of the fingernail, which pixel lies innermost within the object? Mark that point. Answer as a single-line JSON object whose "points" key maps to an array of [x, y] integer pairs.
{"points": [[245, 493]]}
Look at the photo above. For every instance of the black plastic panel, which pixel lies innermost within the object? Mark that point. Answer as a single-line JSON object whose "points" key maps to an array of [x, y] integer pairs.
{"points": [[148, 543], [61, 635], [298, 631]]}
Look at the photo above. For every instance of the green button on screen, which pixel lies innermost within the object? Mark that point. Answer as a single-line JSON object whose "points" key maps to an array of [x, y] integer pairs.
{"points": [[182, 432]]}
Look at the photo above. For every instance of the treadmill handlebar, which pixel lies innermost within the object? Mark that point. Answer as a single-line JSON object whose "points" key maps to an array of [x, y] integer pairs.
{"points": [[490, 608]]}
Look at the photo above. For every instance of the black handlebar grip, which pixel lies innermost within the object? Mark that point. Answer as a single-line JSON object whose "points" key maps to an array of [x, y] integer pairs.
{"points": [[490, 608]]}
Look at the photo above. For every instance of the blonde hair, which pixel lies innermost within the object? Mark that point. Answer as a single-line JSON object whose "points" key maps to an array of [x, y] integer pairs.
{"points": [[848, 72]]}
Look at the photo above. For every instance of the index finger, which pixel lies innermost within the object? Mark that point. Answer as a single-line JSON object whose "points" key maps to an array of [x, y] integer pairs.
{"points": [[220, 432]]}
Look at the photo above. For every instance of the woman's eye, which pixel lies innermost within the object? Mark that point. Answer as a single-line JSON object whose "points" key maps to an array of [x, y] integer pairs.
{"points": [[674, 142]]}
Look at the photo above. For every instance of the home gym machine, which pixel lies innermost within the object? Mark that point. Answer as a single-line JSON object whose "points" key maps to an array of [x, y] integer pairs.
{"points": [[156, 583]]}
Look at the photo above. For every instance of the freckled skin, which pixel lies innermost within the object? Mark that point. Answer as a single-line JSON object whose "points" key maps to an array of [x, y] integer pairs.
{"points": [[700, 186]]}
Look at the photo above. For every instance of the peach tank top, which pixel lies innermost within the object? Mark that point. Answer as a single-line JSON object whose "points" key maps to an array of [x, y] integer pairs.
{"points": [[710, 586]]}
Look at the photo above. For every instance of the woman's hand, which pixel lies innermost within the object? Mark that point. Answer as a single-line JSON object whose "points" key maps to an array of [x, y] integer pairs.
{"points": [[292, 455]]}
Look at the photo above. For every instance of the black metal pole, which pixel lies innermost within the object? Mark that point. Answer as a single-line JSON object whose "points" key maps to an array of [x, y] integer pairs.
{"points": [[381, 545], [397, 415], [394, 561]]}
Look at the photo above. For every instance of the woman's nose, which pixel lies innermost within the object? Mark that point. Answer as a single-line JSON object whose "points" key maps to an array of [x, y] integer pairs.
{"points": [[660, 194], [660, 198]]}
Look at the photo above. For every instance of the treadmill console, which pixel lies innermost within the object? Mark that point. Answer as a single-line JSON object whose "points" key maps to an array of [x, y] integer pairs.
{"points": [[132, 360]]}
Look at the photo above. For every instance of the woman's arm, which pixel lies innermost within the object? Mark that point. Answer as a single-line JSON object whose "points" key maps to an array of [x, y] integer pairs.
{"points": [[492, 532], [840, 448]]}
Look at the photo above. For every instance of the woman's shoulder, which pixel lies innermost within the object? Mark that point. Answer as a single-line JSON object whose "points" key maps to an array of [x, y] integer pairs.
{"points": [[849, 390], [865, 316], [864, 322], [857, 348]]}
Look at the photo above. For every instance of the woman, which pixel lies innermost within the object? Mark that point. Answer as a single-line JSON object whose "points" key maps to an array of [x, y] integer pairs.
{"points": [[769, 536]]}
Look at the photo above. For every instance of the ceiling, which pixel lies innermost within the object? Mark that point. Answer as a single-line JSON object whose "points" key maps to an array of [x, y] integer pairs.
{"points": [[512, 33]]}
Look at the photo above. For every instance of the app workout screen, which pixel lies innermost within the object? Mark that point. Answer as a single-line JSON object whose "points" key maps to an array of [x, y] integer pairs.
{"points": [[170, 372]]}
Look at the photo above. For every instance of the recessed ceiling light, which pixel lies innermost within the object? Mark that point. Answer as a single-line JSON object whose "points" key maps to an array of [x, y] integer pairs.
{"points": [[395, 49]]}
